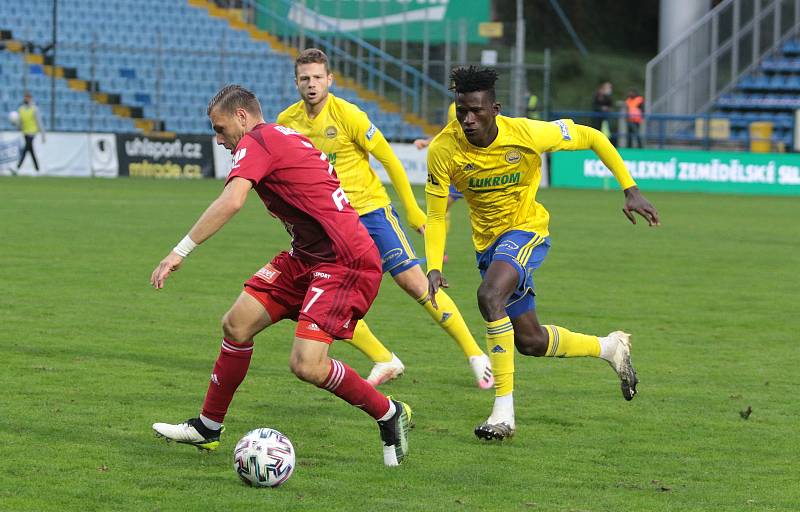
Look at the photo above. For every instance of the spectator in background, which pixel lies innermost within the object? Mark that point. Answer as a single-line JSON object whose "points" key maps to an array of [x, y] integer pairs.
{"points": [[602, 104], [533, 107], [634, 104], [30, 123]]}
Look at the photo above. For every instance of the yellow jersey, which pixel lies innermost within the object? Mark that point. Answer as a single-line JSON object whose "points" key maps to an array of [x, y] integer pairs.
{"points": [[451, 113], [29, 119], [344, 133], [500, 182]]}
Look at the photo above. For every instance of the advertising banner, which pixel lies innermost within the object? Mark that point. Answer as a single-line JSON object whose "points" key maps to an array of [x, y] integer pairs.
{"points": [[58, 154], [695, 171], [103, 150], [9, 152], [182, 156], [414, 162], [413, 20]]}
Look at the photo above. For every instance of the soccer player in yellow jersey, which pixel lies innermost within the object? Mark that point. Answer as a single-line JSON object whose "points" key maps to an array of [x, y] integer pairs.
{"points": [[346, 135], [496, 162]]}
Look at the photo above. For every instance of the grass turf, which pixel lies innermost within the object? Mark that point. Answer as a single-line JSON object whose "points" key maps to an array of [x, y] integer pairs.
{"points": [[92, 356]]}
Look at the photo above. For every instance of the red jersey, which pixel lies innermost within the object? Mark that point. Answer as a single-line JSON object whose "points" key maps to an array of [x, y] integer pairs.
{"points": [[299, 187]]}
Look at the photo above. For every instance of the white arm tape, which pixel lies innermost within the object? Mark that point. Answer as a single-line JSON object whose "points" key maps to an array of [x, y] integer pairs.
{"points": [[184, 247]]}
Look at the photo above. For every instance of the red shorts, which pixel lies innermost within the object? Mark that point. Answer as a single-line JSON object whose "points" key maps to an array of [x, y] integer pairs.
{"points": [[331, 295]]}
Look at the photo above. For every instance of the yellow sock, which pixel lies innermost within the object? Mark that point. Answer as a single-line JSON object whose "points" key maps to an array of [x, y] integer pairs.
{"points": [[500, 344], [449, 318], [565, 343], [368, 344]]}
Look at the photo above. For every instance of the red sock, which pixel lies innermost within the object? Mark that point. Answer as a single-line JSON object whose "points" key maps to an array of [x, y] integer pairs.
{"points": [[229, 372], [345, 383]]}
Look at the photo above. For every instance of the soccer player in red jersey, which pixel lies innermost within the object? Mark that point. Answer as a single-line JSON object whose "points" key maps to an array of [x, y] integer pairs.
{"points": [[326, 282]]}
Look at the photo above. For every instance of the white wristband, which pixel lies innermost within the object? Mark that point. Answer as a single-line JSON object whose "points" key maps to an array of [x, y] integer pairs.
{"points": [[184, 247]]}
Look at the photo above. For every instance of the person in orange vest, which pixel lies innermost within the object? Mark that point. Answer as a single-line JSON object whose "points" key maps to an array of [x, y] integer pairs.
{"points": [[635, 106]]}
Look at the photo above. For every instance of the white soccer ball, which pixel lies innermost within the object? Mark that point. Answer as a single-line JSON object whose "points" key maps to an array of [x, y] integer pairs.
{"points": [[264, 458], [13, 117]]}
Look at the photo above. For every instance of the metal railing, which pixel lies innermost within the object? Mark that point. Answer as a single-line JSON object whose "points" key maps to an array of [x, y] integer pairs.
{"points": [[372, 67], [665, 131], [719, 49]]}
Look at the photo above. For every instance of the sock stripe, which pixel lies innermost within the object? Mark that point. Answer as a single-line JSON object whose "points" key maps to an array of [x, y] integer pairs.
{"points": [[499, 329], [229, 346], [335, 377], [554, 338]]}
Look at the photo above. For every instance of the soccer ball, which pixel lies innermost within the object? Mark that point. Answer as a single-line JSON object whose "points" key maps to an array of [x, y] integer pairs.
{"points": [[264, 458], [13, 117]]}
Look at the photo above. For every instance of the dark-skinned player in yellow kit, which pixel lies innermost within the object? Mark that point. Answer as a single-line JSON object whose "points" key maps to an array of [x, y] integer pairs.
{"points": [[495, 161]]}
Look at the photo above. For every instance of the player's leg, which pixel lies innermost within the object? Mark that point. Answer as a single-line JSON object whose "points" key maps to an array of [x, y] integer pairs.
{"points": [[254, 310], [310, 363], [534, 339], [24, 151], [33, 155], [337, 297], [499, 282], [387, 365], [448, 317], [399, 260], [246, 318]]}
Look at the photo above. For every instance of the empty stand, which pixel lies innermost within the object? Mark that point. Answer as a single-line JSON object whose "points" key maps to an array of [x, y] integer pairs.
{"points": [[163, 60]]}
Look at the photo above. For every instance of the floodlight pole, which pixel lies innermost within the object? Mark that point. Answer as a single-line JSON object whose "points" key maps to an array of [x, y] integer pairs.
{"points": [[519, 68]]}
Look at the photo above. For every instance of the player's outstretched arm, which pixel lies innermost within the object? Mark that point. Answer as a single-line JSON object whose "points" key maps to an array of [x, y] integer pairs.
{"points": [[216, 215], [634, 200], [435, 239]]}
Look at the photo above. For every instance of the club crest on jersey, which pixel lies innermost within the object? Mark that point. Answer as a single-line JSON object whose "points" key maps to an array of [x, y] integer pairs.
{"points": [[331, 132], [513, 156], [268, 274]]}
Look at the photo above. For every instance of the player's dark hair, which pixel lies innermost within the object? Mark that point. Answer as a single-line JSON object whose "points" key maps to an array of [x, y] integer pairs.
{"points": [[233, 96], [312, 56], [473, 79]]}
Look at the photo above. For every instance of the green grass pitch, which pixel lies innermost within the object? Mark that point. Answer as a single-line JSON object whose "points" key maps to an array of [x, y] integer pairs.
{"points": [[92, 356]]}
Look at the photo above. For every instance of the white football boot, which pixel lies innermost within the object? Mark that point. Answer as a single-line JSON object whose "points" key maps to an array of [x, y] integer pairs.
{"points": [[191, 432], [384, 372], [619, 358], [482, 368]]}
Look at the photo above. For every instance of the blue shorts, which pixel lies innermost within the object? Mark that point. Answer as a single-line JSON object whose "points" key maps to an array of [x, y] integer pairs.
{"points": [[525, 251], [397, 254], [454, 193]]}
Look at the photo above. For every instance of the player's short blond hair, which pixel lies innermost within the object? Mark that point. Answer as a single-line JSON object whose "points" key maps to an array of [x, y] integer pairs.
{"points": [[233, 96], [312, 56]]}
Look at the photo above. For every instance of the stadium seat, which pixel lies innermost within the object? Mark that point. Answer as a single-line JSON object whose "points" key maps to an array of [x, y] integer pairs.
{"points": [[173, 59]]}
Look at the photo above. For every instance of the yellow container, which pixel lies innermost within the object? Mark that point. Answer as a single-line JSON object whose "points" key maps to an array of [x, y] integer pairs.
{"points": [[760, 135]]}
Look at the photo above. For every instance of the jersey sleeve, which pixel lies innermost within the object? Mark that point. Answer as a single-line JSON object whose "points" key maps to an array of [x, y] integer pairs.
{"points": [[564, 134], [438, 170], [251, 161], [560, 135], [361, 130]]}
